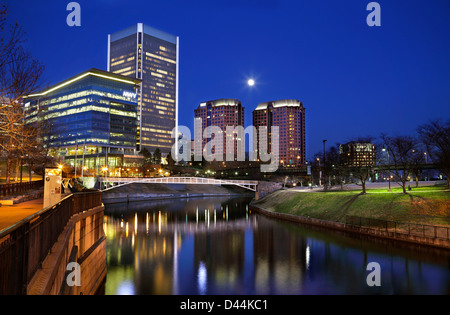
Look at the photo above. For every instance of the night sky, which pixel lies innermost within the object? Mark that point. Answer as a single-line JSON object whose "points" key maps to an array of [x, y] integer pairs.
{"points": [[354, 80]]}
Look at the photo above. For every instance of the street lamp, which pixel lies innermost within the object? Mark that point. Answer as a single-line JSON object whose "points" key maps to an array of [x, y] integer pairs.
{"points": [[389, 162], [324, 176], [320, 172]]}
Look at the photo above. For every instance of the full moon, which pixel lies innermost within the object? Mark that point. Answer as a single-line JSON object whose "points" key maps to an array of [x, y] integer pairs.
{"points": [[251, 82]]}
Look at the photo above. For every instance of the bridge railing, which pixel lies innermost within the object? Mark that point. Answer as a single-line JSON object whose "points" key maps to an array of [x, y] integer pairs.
{"points": [[181, 180], [24, 246], [163, 179]]}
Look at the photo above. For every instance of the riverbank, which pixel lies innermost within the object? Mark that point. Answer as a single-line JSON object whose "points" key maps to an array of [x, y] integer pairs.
{"points": [[423, 205], [143, 192], [425, 211]]}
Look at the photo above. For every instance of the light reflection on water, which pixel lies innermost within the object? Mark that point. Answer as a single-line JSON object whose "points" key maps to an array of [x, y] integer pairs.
{"points": [[217, 246]]}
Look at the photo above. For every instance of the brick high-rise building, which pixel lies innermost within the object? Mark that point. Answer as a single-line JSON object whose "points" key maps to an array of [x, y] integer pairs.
{"points": [[221, 113], [289, 116]]}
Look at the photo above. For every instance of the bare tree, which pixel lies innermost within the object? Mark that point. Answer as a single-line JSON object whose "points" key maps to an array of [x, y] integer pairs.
{"points": [[20, 75], [359, 159], [405, 157], [436, 138], [337, 172], [362, 173]]}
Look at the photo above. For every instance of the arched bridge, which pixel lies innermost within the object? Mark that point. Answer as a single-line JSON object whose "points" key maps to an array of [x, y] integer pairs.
{"points": [[114, 182]]}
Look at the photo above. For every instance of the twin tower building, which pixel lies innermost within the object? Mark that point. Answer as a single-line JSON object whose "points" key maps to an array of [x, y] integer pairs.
{"points": [[105, 118]]}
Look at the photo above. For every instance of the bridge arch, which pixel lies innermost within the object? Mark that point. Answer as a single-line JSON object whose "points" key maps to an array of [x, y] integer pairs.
{"points": [[107, 184]]}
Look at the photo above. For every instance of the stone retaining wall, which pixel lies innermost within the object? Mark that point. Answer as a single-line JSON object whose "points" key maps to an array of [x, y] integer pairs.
{"points": [[22, 198]]}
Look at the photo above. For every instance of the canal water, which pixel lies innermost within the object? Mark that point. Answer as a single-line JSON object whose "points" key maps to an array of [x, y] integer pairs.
{"points": [[217, 246]]}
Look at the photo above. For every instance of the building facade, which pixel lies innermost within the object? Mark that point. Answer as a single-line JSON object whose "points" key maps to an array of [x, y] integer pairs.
{"points": [[289, 117], [89, 120], [220, 114], [151, 55], [354, 154]]}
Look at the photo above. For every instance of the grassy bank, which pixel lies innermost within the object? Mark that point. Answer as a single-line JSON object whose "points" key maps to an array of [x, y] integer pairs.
{"points": [[426, 205]]}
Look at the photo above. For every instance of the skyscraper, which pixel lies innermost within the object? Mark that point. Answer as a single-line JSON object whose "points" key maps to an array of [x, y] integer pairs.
{"points": [[151, 55], [289, 116], [221, 113]]}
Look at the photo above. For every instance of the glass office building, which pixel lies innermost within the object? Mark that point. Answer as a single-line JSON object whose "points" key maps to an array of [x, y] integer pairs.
{"points": [[149, 54], [89, 120]]}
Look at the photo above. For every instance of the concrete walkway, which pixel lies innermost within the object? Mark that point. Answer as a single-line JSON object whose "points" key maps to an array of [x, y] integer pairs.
{"points": [[10, 215]]}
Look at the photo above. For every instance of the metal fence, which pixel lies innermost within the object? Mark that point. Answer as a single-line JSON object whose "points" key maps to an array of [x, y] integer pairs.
{"points": [[24, 246], [8, 189], [423, 230]]}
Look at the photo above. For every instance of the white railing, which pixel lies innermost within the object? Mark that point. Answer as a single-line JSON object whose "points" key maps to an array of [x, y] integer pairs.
{"points": [[120, 181]]}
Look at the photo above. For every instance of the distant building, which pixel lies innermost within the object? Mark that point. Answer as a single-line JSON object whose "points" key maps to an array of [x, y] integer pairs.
{"points": [[221, 113], [90, 119], [289, 116], [357, 154], [151, 55]]}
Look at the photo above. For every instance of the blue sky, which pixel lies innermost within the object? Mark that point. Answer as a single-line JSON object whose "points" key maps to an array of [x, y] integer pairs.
{"points": [[354, 80]]}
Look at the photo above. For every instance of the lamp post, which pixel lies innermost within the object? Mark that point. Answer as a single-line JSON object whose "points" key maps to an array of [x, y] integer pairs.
{"points": [[390, 176], [320, 173], [21, 168], [426, 162], [324, 165]]}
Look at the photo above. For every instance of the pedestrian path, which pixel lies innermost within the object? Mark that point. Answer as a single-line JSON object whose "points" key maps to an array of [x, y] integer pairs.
{"points": [[10, 215]]}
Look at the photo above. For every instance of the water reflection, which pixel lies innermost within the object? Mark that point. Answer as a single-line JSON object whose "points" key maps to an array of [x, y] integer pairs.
{"points": [[216, 246]]}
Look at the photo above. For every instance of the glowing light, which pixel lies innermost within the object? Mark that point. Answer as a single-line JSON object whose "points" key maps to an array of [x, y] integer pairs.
{"points": [[135, 223], [308, 256], [159, 222], [126, 288], [251, 82]]}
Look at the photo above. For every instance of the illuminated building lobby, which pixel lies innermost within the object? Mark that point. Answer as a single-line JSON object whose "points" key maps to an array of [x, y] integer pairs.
{"points": [[89, 120]]}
